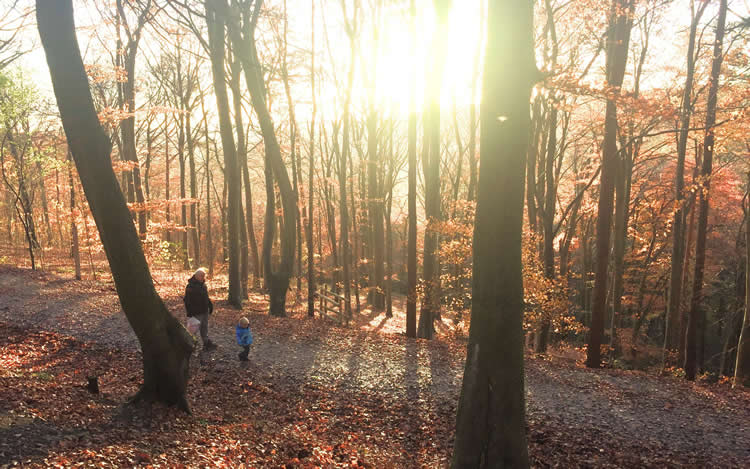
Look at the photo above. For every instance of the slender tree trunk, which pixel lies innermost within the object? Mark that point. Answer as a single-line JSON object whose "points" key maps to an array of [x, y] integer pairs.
{"points": [[216, 27], [622, 215], [548, 218], [431, 302], [58, 205], [389, 231], [617, 56], [127, 126], [293, 147], [531, 189], [45, 209], [209, 220], [490, 425], [694, 320], [165, 344], [671, 335], [147, 165], [168, 208], [356, 244], [193, 191], [742, 366], [235, 82], [183, 192], [243, 39], [310, 190], [344, 214], [411, 296], [375, 214], [73, 227]]}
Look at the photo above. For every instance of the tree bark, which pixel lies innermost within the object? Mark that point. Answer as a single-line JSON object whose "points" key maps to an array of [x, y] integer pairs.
{"points": [[694, 318], [431, 271], [127, 126], [216, 26], [671, 334], [310, 202], [234, 83], [73, 227], [411, 295], [490, 425], [548, 219], [243, 39], [742, 366], [617, 56], [165, 344], [194, 238]]}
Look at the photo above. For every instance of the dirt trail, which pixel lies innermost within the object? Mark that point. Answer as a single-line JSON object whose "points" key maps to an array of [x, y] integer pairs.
{"points": [[588, 415]]}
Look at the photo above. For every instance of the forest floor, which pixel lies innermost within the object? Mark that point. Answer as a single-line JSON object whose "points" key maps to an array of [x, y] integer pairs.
{"points": [[315, 394]]}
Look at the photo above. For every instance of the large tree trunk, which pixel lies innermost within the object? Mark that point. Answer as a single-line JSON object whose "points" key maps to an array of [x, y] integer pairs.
{"points": [[694, 318], [617, 56], [165, 344], [671, 334], [216, 26], [490, 426]]}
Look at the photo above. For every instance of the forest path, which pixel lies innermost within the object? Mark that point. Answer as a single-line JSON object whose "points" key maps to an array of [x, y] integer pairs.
{"points": [[583, 417]]}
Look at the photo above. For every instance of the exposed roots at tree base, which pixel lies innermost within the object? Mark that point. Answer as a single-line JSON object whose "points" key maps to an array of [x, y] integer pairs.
{"points": [[148, 396]]}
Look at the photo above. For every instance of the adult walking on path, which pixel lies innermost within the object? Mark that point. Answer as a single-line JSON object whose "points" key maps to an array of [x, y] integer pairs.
{"points": [[198, 304]]}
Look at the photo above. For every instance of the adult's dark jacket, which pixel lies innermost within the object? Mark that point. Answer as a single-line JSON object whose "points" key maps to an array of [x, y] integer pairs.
{"points": [[196, 298]]}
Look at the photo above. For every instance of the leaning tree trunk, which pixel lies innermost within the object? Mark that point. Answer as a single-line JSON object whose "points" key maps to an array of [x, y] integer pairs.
{"points": [[490, 426], [165, 344], [742, 367], [244, 42], [617, 57], [694, 318]]}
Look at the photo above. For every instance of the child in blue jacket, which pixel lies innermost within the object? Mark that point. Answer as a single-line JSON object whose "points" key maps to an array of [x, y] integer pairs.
{"points": [[244, 338]]}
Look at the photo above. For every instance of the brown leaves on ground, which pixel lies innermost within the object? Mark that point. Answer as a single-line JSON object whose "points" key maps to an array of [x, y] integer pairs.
{"points": [[314, 394]]}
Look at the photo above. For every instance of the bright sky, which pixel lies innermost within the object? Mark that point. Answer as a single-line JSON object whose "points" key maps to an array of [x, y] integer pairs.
{"points": [[395, 61]]}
